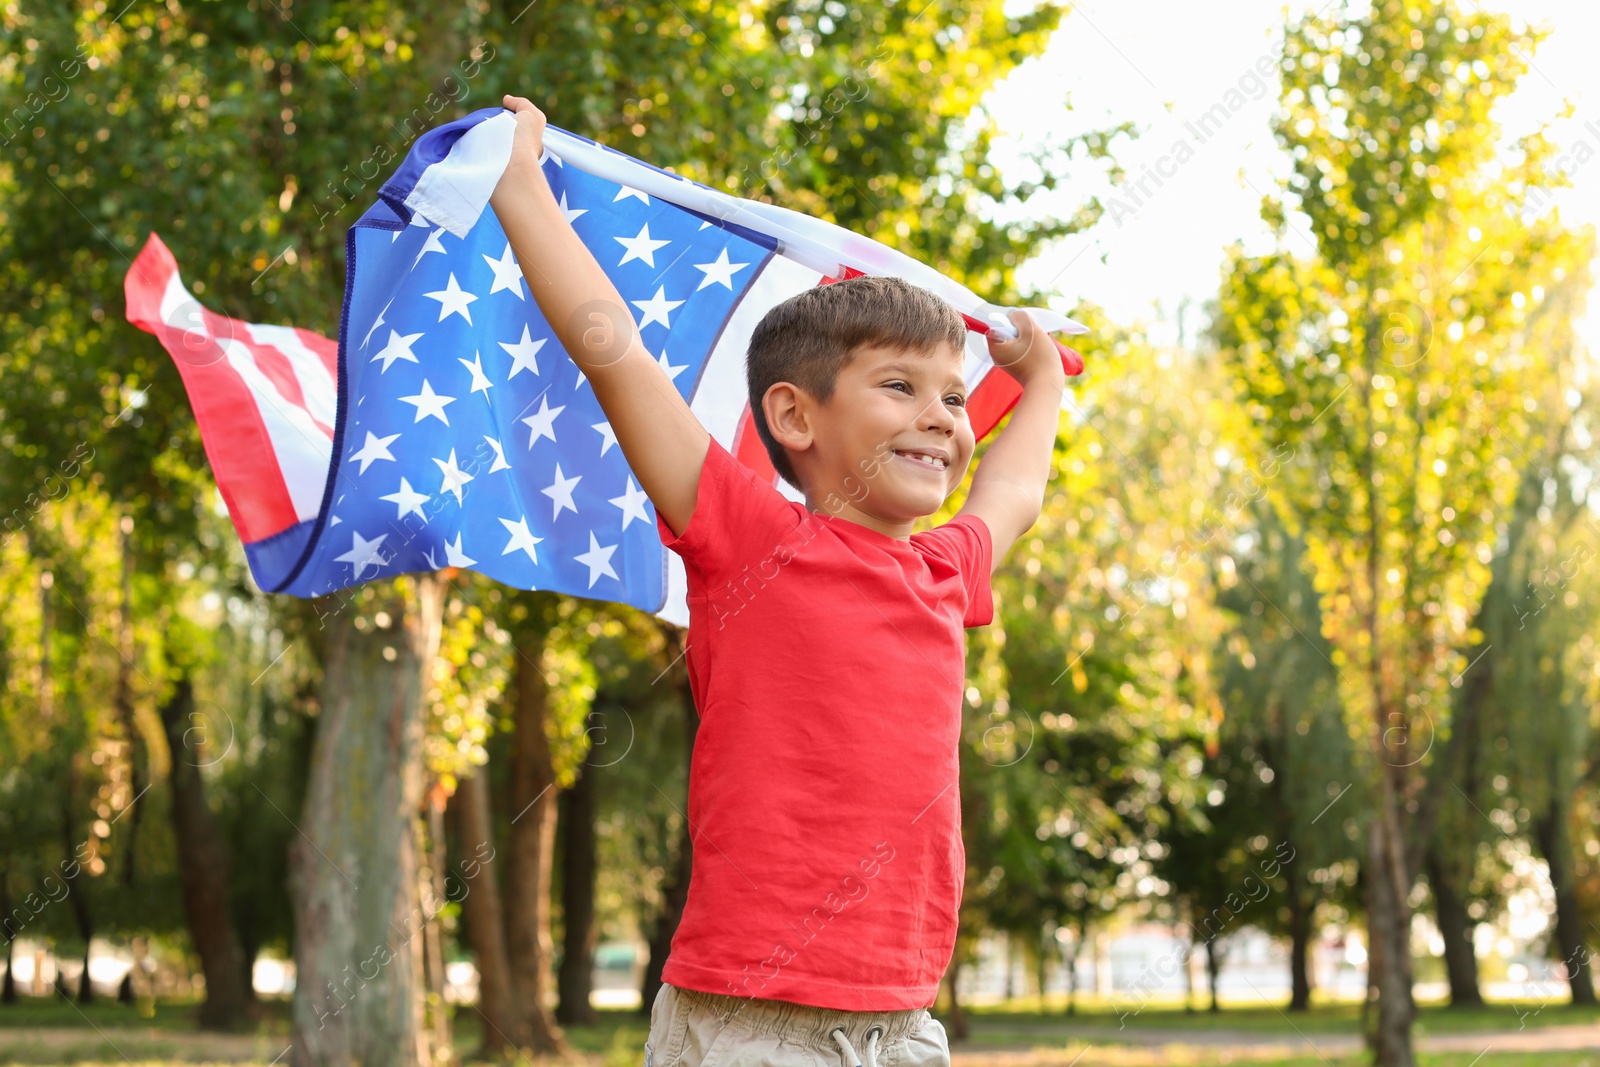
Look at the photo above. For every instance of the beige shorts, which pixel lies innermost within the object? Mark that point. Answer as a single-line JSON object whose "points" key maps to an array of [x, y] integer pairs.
{"points": [[693, 1029]]}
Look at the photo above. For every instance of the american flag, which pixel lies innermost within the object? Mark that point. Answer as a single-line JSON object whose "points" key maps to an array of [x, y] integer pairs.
{"points": [[448, 427]]}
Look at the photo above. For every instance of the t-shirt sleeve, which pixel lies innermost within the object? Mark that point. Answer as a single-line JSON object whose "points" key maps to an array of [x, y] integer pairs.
{"points": [[965, 543], [739, 519]]}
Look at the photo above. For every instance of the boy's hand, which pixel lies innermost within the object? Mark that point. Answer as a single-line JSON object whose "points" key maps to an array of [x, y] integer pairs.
{"points": [[529, 143], [1030, 353]]}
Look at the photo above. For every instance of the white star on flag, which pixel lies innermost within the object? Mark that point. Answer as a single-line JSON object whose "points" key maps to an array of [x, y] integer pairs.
{"points": [[607, 433], [500, 463], [507, 275], [640, 247], [373, 449], [429, 402], [375, 324], [454, 476], [597, 559], [522, 353], [543, 423], [719, 271], [398, 348], [453, 300], [408, 501], [480, 381], [364, 553], [672, 370], [560, 491], [454, 557], [431, 245], [570, 213], [655, 309], [627, 191], [522, 538], [632, 503]]}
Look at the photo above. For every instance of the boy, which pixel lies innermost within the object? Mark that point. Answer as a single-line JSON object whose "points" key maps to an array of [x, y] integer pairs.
{"points": [[826, 644]]}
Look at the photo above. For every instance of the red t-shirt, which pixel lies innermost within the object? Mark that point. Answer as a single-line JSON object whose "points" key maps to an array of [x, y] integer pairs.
{"points": [[828, 662]]}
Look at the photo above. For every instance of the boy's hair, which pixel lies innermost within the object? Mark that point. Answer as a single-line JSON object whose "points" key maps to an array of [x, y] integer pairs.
{"points": [[810, 337]]}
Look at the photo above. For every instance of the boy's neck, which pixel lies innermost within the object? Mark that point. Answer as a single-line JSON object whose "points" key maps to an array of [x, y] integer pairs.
{"points": [[848, 511]]}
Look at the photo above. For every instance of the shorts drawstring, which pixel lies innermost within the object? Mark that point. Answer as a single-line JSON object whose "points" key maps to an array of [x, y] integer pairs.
{"points": [[850, 1058]]}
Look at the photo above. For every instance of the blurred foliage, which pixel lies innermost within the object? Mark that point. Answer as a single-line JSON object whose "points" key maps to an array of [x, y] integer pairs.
{"points": [[1179, 671]]}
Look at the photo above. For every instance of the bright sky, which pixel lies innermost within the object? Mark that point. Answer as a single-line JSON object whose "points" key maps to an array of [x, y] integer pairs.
{"points": [[1134, 61]]}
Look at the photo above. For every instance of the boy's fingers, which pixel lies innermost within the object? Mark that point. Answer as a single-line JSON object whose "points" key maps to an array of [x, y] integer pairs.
{"points": [[1004, 353], [519, 104]]}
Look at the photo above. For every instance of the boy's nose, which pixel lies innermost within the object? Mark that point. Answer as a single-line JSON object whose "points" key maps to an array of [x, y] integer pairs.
{"points": [[938, 417]]}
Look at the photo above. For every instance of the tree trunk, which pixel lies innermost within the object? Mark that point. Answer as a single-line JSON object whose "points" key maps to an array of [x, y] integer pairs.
{"points": [[485, 918], [1302, 924], [203, 868], [1455, 926], [579, 864], [1388, 1034], [675, 891], [958, 1014], [78, 898], [353, 868], [1388, 937], [1041, 963], [531, 842], [432, 889], [1072, 971], [122, 700], [1188, 973], [1213, 969], [8, 984], [1555, 842], [674, 894]]}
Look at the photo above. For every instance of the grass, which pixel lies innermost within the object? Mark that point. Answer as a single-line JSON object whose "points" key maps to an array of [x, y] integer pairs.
{"points": [[1012, 1035]]}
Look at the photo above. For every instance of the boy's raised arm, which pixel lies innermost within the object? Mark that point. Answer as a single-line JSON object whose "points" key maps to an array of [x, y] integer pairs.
{"points": [[1008, 486], [664, 443]]}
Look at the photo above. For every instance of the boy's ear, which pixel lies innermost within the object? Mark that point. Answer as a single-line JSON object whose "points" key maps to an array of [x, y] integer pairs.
{"points": [[788, 410]]}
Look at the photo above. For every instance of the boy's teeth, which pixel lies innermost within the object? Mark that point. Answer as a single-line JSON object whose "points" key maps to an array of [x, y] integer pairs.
{"points": [[929, 460]]}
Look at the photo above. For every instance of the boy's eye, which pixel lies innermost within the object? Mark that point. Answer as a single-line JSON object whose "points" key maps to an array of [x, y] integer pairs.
{"points": [[957, 399], [898, 385]]}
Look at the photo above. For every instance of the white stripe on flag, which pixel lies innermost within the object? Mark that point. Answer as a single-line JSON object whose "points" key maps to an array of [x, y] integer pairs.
{"points": [[179, 310], [316, 384], [303, 452]]}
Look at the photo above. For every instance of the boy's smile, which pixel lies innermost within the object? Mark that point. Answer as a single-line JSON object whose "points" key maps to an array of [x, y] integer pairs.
{"points": [[891, 443]]}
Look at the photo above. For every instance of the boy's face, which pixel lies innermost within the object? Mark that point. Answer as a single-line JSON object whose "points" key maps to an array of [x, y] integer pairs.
{"points": [[893, 440]]}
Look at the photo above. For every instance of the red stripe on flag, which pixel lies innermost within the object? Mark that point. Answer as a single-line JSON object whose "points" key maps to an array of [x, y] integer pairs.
{"points": [[995, 395], [231, 429]]}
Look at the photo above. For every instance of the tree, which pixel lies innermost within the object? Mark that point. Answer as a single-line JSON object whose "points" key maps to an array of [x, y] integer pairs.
{"points": [[354, 870], [1541, 695], [1284, 719], [1392, 363]]}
